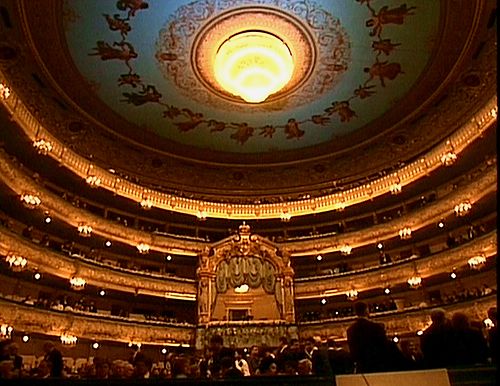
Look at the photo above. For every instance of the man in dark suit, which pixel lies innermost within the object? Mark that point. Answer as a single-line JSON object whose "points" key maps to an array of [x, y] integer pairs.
{"points": [[436, 342], [368, 343], [54, 358]]}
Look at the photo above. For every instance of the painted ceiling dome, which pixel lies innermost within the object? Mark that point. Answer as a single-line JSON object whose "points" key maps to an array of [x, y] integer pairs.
{"points": [[135, 88]]}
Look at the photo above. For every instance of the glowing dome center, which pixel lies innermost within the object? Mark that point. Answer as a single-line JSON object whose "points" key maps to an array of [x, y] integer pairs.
{"points": [[253, 65]]}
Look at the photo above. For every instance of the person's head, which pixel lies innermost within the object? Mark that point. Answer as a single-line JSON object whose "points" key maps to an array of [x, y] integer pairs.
{"points": [[309, 343], [180, 367], [216, 343], [283, 341], [304, 367], [102, 369], [48, 347], [13, 349], [330, 342], [142, 365], [460, 321], [268, 366], [254, 351], [361, 309], [438, 316], [294, 345]]}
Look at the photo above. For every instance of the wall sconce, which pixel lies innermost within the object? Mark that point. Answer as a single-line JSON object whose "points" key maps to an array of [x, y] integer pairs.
{"points": [[415, 281], [476, 262], [352, 294], [6, 331], [405, 233], [4, 91], [345, 250], [93, 181]]}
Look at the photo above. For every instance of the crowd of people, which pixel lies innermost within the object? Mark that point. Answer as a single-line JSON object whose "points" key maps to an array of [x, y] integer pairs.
{"points": [[447, 342]]}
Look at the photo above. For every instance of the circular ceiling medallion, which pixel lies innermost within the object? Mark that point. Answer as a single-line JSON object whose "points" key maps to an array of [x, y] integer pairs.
{"points": [[321, 53]]}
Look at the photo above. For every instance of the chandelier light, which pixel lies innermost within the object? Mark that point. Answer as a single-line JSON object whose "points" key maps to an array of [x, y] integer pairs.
{"points": [[346, 249], [4, 91], [405, 233], [143, 248], [84, 230], [253, 65], [476, 262], [463, 208], [449, 158], [68, 340], [93, 181], [146, 203], [77, 283], [6, 331], [30, 200], [43, 147], [352, 294], [415, 281], [395, 188], [285, 216], [16, 263]]}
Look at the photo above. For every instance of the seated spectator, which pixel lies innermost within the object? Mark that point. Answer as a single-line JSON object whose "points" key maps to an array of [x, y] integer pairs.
{"points": [[436, 341], [268, 366], [340, 360]]}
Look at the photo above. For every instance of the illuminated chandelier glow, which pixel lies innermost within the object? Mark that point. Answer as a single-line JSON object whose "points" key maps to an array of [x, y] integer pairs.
{"points": [[253, 65], [352, 294], [4, 91], [77, 283], [395, 188], [93, 181], [415, 281], [84, 230], [16, 263], [146, 203], [449, 158], [463, 208], [68, 339], [6, 331], [476, 262], [405, 233], [42, 146], [143, 248], [346, 249], [30, 201]]}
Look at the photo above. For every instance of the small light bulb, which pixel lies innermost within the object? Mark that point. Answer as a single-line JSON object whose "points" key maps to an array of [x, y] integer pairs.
{"points": [[380, 245], [108, 243], [102, 292], [395, 339], [323, 301], [169, 257], [420, 332], [95, 345], [387, 291], [26, 338], [319, 257], [163, 351], [37, 276], [48, 220], [453, 275], [441, 224]]}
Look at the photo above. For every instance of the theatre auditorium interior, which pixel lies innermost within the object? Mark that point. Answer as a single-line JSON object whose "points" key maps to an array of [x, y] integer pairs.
{"points": [[177, 175]]}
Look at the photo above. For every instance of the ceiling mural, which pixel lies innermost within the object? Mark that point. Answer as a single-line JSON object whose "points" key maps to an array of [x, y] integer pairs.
{"points": [[150, 61]]}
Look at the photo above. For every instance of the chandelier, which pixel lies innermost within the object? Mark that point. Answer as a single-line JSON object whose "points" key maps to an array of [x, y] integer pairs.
{"points": [[352, 294], [84, 230], [146, 203], [285, 216], [476, 262], [395, 188], [68, 339], [93, 181], [77, 283], [463, 208], [253, 65], [415, 281], [30, 201], [143, 248], [6, 331], [405, 233], [345, 249], [4, 91], [201, 215], [43, 147], [16, 263], [448, 158]]}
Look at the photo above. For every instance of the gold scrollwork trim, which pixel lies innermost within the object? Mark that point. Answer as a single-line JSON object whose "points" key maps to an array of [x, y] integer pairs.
{"points": [[30, 319], [459, 141]]}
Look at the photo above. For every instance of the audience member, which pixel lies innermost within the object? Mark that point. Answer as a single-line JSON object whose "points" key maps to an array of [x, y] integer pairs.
{"points": [[340, 360], [493, 335], [53, 357], [469, 345], [368, 343], [436, 341]]}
